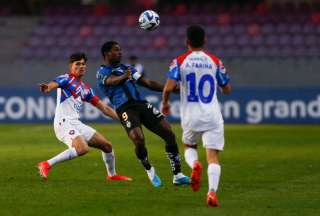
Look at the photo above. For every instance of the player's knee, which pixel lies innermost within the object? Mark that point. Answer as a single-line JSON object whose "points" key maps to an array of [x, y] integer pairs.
{"points": [[80, 145], [82, 150], [107, 147], [137, 138]]}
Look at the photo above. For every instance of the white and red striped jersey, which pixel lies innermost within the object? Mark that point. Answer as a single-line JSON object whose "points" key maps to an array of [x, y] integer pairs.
{"points": [[199, 74], [71, 94]]}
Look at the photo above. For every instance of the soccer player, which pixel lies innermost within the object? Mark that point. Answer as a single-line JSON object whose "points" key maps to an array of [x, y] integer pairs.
{"points": [[72, 92], [199, 73], [118, 82]]}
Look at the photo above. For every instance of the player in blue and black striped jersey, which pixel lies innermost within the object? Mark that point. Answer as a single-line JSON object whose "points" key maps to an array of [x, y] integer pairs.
{"points": [[118, 82]]}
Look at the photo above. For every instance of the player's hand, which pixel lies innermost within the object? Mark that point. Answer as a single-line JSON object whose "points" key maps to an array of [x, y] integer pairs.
{"points": [[165, 109], [44, 87], [128, 73], [176, 89]]}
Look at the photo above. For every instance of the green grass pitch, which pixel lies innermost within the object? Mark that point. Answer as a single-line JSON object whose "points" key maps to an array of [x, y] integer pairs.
{"points": [[266, 170]]}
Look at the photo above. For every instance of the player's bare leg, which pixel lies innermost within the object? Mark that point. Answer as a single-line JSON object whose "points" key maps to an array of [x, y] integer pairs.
{"points": [[79, 147], [191, 157], [137, 137], [100, 142], [163, 130], [214, 171]]}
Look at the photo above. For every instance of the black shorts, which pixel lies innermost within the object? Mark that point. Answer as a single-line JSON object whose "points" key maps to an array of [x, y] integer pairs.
{"points": [[134, 113]]}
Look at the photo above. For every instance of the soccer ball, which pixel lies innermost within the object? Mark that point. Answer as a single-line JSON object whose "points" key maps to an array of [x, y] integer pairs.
{"points": [[149, 20]]}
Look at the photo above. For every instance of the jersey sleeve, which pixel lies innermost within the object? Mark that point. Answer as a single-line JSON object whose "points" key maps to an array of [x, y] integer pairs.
{"points": [[222, 77], [91, 97], [135, 73], [62, 80], [102, 75], [174, 71]]}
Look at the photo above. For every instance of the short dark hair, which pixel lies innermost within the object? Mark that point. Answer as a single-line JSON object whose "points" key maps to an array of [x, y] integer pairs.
{"points": [[107, 46], [77, 57], [196, 36]]}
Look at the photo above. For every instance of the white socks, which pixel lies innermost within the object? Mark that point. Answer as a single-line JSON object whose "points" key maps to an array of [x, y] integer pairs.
{"points": [[214, 171], [151, 173], [71, 153], [109, 161], [63, 156], [190, 155]]}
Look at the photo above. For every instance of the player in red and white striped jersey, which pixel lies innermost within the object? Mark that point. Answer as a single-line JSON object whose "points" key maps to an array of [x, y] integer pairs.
{"points": [[200, 74], [72, 92]]}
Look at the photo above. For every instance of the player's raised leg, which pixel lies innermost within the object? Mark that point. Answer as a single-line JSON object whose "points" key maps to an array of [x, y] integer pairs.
{"points": [[163, 129], [214, 171], [100, 142], [77, 148], [136, 135]]}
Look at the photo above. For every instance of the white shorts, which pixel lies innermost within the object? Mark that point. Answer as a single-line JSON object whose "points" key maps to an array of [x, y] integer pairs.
{"points": [[67, 130], [211, 139]]}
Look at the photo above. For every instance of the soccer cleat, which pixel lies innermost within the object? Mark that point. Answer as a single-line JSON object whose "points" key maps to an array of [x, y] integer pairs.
{"points": [[118, 178], [181, 179], [44, 169], [156, 181], [196, 176], [154, 178], [212, 199]]}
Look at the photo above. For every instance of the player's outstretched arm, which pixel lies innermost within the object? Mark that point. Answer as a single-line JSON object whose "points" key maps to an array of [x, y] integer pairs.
{"points": [[169, 87], [107, 110], [47, 87], [150, 84], [115, 80]]}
